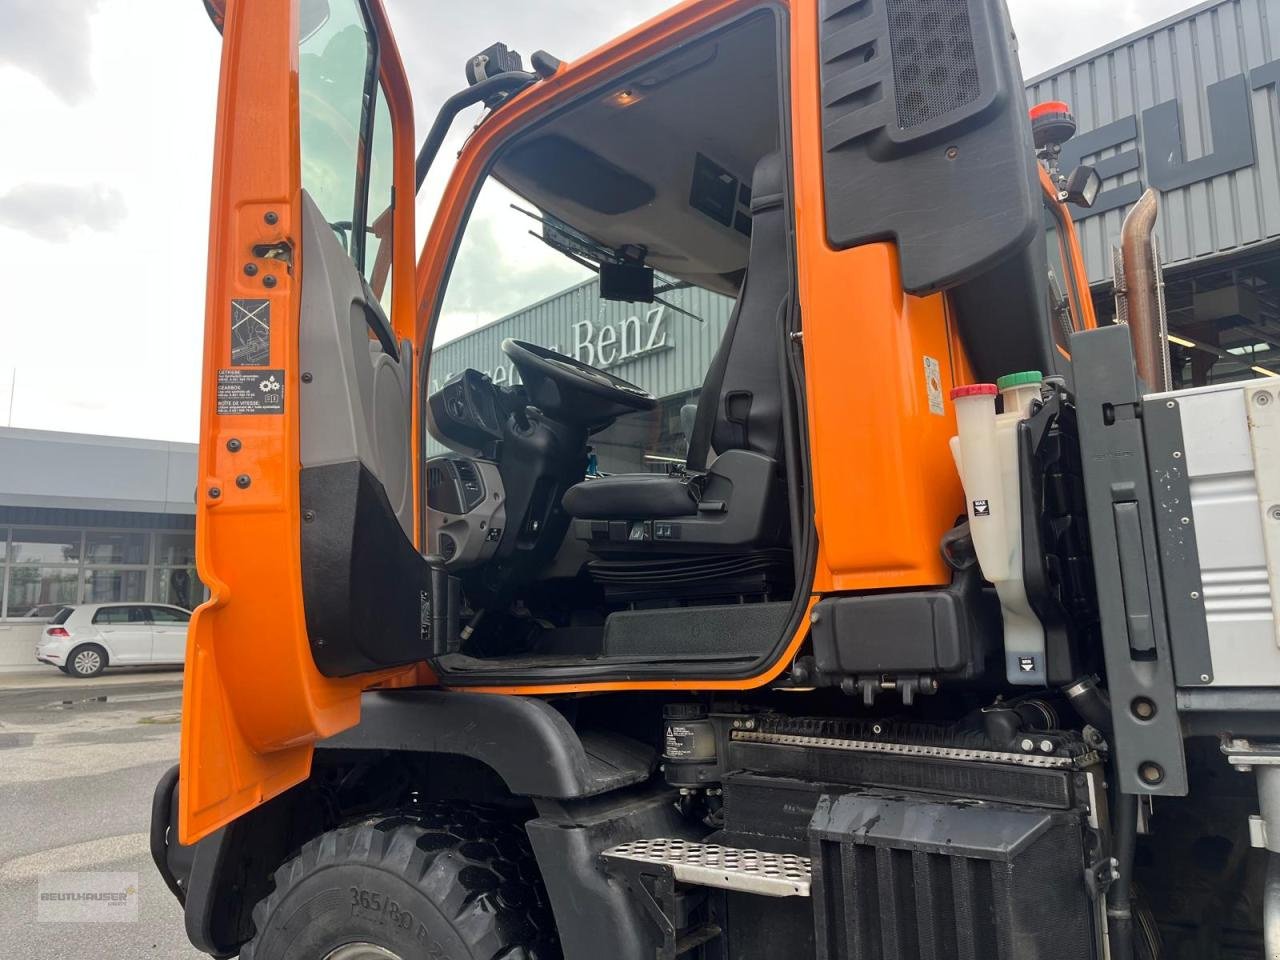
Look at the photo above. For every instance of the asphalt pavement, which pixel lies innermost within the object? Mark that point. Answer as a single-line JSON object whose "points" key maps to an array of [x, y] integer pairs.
{"points": [[78, 763]]}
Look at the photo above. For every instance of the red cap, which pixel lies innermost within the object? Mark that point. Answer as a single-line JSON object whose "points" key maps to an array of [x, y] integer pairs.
{"points": [[975, 390], [1048, 107]]}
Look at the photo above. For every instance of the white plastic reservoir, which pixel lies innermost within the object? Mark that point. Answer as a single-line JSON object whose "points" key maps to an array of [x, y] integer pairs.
{"points": [[986, 455]]}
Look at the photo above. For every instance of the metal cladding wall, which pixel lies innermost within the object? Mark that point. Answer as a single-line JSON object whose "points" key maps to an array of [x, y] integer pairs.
{"points": [[1188, 106], [666, 352]]}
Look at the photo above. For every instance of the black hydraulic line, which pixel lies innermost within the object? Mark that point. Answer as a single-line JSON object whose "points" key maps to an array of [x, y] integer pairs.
{"points": [[1124, 833], [497, 86]]}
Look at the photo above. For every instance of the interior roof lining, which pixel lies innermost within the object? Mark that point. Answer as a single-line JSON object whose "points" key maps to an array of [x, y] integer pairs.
{"points": [[657, 137]]}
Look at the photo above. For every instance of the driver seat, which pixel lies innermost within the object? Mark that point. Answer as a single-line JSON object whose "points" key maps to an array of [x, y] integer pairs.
{"points": [[733, 493]]}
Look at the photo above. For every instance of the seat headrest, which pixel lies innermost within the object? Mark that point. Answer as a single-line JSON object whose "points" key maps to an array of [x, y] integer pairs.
{"points": [[767, 181]]}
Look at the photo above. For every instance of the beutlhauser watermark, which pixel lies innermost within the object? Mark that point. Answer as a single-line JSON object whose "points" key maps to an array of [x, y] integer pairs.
{"points": [[87, 898]]}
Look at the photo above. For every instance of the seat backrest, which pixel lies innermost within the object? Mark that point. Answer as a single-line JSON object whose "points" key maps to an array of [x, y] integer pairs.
{"points": [[740, 406]]}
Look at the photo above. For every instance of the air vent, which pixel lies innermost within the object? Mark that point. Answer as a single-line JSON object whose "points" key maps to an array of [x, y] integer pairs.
{"points": [[934, 67]]}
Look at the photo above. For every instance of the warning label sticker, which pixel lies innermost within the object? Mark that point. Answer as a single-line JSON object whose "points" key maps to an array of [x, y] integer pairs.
{"points": [[250, 391], [933, 386], [982, 508], [250, 333]]}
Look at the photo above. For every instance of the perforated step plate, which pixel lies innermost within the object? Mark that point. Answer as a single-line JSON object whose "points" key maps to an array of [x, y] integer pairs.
{"points": [[729, 868]]}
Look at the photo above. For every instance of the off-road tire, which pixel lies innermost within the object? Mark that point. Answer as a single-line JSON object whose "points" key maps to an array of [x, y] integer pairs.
{"points": [[73, 668], [443, 882]]}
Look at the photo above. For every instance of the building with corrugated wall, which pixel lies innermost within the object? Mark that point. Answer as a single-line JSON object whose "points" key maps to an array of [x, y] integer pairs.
{"points": [[1189, 106]]}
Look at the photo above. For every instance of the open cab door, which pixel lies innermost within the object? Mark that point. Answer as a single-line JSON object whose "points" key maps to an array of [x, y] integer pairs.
{"points": [[307, 505]]}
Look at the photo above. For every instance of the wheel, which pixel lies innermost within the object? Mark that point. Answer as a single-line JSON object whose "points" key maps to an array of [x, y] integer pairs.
{"points": [[447, 880], [86, 661], [64, 668]]}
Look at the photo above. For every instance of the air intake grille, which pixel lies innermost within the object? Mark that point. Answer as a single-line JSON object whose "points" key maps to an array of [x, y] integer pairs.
{"points": [[934, 67]]}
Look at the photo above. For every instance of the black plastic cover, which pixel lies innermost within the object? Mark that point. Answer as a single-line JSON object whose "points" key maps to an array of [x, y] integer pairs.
{"points": [[925, 135], [923, 631], [371, 599]]}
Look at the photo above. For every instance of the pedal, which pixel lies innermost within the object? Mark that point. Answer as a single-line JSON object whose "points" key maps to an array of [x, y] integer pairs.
{"points": [[727, 868]]}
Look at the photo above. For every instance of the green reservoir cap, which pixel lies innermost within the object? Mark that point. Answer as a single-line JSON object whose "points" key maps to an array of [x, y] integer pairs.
{"points": [[1011, 380]]}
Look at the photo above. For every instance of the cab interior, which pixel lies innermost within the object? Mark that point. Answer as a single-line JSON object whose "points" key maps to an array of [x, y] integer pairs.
{"points": [[670, 179]]}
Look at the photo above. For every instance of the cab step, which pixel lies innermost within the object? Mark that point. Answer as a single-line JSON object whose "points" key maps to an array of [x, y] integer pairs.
{"points": [[727, 868]]}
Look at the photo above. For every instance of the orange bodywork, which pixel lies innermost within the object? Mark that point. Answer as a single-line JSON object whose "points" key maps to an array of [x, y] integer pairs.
{"points": [[254, 702], [876, 360]]}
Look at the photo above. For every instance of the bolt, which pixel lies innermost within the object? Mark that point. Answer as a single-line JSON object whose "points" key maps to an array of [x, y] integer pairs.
{"points": [[307, 377], [233, 445], [952, 153], [1028, 744], [1143, 708], [737, 724], [1274, 513], [1177, 454], [1195, 594], [215, 492], [1204, 678], [271, 217], [1170, 404], [250, 269], [1185, 521], [308, 515], [1150, 773], [1046, 746], [269, 281], [243, 481], [1262, 398]]}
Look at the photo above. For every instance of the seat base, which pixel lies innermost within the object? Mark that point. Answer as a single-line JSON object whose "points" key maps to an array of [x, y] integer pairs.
{"points": [[742, 503], [626, 496]]}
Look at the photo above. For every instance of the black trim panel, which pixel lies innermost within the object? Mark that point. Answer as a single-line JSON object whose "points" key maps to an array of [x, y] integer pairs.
{"points": [[526, 741], [367, 592]]}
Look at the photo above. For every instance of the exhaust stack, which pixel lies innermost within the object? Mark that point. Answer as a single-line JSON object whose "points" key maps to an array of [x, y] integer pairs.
{"points": [[1139, 287]]}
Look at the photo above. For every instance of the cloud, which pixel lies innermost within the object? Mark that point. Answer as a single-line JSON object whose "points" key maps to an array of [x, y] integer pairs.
{"points": [[52, 211], [50, 40]]}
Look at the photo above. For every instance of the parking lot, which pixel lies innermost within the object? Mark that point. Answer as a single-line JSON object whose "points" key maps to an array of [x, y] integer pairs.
{"points": [[78, 762]]}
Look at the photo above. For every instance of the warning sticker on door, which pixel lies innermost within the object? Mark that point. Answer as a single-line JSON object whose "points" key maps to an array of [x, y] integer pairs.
{"points": [[250, 391], [982, 508], [250, 333]]}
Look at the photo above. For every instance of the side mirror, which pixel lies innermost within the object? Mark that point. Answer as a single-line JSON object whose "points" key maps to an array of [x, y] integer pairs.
{"points": [[1082, 186]]}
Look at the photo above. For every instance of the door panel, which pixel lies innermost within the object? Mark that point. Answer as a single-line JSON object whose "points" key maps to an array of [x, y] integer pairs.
{"points": [[309, 390], [126, 632], [168, 635]]}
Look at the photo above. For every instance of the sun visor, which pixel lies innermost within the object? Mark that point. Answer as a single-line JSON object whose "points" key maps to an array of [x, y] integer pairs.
{"points": [[925, 136]]}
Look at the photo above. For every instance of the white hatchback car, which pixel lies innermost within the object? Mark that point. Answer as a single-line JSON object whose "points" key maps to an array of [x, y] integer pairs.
{"points": [[84, 640]]}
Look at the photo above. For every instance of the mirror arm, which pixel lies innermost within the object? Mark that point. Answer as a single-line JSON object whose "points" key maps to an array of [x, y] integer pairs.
{"points": [[500, 85]]}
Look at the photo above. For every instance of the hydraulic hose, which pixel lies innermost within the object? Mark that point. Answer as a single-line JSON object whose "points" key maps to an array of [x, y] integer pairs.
{"points": [[1124, 834]]}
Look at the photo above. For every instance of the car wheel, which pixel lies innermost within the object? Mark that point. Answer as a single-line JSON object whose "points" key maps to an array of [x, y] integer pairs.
{"points": [[445, 880], [64, 668], [86, 661]]}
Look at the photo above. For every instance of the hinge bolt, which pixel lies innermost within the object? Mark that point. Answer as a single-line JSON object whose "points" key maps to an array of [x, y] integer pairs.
{"points": [[269, 281], [243, 481], [233, 445], [271, 217], [250, 269]]}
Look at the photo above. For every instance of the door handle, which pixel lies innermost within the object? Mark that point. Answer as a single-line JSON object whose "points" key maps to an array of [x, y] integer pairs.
{"points": [[378, 322]]}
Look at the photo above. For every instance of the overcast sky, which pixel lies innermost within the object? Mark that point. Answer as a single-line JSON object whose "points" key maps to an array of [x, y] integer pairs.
{"points": [[104, 181]]}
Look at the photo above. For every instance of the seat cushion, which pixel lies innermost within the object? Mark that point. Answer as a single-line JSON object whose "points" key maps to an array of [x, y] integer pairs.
{"points": [[630, 496]]}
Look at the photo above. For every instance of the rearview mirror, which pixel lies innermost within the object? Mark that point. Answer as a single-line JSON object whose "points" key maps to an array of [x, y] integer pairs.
{"points": [[629, 282]]}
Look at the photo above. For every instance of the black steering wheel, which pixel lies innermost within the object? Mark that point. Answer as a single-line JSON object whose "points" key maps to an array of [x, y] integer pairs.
{"points": [[571, 390]]}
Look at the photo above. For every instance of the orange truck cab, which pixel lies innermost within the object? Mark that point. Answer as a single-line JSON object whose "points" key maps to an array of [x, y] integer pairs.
{"points": [[464, 688]]}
